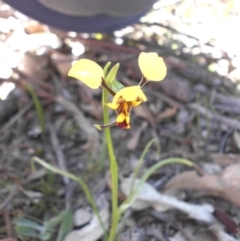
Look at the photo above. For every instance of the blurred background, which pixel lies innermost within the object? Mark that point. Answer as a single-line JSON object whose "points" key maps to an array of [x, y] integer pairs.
{"points": [[194, 113]]}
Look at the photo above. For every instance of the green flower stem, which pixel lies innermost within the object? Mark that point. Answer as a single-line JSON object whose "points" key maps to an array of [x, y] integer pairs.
{"points": [[113, 170]]}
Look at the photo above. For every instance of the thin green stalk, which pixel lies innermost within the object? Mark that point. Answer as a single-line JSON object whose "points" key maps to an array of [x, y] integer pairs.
{"points": [[140, 162], [37, 105], [127, 203], [78, 180], [113, 170]]}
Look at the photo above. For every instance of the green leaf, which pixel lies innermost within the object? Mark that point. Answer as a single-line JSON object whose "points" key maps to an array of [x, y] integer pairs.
{"points": [[38, 107], [26, 231], [66, 225], [112, 74], [23, 222], [45, 236], [116, 86], [51, 223], [32, 229]]}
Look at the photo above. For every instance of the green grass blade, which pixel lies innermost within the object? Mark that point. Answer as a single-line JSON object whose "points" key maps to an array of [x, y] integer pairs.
{"points": [[78, 180], [127, 203], [66, 224], [140, 161], [38, 106]]}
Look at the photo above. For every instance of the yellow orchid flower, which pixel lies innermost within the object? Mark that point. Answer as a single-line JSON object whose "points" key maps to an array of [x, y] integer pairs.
{"points": [[152, 66], [88, 72], [123, 101]]}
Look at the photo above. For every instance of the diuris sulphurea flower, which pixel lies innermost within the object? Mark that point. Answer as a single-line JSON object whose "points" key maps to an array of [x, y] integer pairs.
{"points": [[123, 102], [124, 99]]}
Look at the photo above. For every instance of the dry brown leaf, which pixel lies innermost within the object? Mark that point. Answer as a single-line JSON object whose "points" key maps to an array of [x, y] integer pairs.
{"points": [[225, 185], [63, 62], [144, 112], [169, 112], [224, 160]]}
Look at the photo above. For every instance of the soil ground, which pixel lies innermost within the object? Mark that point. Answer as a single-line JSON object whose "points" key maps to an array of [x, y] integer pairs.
{"points": [[193, 113]]}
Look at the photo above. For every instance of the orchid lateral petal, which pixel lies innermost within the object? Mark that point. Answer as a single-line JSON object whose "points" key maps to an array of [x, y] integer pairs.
{"points": [[152, 66]]}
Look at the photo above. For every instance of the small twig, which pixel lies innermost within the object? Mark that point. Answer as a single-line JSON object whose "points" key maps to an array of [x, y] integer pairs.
{"points": [[199, 170], [9, 198], [16, 117], [232, 109], [164, 98], [58, 152], [82, 122], [8, 223], [235, 124], [169, 28], [224, 139], [104, 85]]}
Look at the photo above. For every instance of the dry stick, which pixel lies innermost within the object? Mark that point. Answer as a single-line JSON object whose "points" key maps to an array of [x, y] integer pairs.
{"points": [[224, 139], [61, 164], [9, 198], [16, 117], [235, 124], [58, 152], [233, 101], [232, 109], [82, 122], [8, 223]]}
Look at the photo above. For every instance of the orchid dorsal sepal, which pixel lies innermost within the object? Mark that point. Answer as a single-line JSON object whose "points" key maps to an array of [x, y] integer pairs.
{"points": [[102, 127], [111, 76], [116, 86], [105, 69], [111, 80]]}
